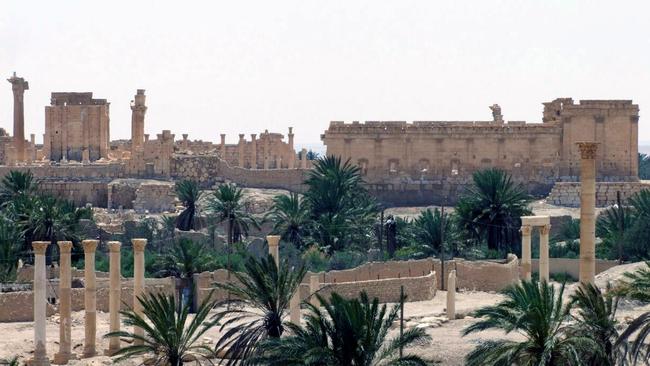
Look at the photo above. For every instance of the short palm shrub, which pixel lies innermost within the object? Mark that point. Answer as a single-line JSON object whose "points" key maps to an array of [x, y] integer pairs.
{"points": [[345, 332], [170, 336]]}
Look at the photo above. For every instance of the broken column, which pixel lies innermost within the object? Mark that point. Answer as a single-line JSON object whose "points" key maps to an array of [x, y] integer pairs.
{"points": [[114, 296], [90, 297], [65, 309], [40, 350], [241, 148], [314, 287], [303, 159], [543, 252], [292, 154], [526, 231], [274, 248], [18, 86], [587, 211], [138, 281], [138, 110], [451, 295], [253, 151]]}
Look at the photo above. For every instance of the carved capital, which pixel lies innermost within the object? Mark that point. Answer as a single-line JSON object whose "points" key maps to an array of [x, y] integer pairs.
{"points": [[40, 247], [114, 246], [587, 149], [545, 230], [139, 244], [90, 245], [526, 230], [274, 240], [65, 246]]}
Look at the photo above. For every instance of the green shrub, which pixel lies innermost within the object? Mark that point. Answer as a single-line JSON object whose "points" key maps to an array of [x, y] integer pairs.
{"points": [[346, 259]]}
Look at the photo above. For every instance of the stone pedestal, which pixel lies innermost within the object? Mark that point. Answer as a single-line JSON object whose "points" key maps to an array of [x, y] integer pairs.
{"points": [[115, 293], [543, 252], [526, 252], [65, 309], [40, 339], [587, 211], [314, 287], [451, 295], [138, 281], [90, 298], [274, 248]]}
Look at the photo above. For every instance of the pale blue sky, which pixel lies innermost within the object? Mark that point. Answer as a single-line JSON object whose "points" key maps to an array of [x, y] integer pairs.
{"points": [[216, 67]]}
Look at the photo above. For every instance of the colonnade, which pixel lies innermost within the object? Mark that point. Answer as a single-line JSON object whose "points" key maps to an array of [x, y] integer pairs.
{"points": [[527, 225]]}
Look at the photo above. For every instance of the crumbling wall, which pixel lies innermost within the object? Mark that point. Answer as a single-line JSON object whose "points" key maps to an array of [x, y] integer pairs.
{"points": [[568, 193]]}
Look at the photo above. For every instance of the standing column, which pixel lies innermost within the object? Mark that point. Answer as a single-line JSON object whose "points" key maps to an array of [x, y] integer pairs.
{"points": [[314, 287], [18, 86], [294, 307], [90, 297], [253, 151], [451, 295], [138, 110], [65, 299], [543, 252], [525, 251], [241, 148], [587, 211], [292, 154], [267, 152], [138, 281], [303, 159], [223, 146], [114, 296], [40, 351], [274, 248]]}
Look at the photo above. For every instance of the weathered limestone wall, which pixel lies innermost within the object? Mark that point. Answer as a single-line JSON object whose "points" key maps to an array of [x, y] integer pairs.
{"points": [[155, 196], [19, 306], [81, 193], [568, 193]]}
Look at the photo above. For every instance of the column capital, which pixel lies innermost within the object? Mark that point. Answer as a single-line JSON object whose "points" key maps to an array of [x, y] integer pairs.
{"points": [[587, 149], [114, 246], [274, 240], [545, 229], [526, 230], [90, 245], [40, 246], [65, 246], [139, 244]]}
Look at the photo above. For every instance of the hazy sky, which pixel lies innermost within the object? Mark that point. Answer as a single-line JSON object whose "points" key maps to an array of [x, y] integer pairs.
{"points": [[244, 66]]}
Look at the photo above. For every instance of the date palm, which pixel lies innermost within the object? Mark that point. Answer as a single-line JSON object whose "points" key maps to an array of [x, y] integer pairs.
{"points": [[491, 208], [170, 336], [226, 204], [345, 332], [189, 194], [535, 311], [427, 229], [17, 183], [9, 249], [261, 298], [290, 217]]}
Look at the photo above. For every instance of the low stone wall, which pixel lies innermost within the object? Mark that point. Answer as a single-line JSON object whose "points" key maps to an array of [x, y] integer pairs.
{"points": [[81, 193], [568, 193], [571, 266], [19, 307]]}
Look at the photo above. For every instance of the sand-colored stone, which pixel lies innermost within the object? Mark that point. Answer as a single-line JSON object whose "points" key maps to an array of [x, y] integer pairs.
{"points": [[451, 295], [314, 288], [274, 247], [90, 298], [18, 86], [40, 338], [114, 295], [138, 281], [65, 306], [588, 153], [526, 231], [544, 232], [138, 110]]}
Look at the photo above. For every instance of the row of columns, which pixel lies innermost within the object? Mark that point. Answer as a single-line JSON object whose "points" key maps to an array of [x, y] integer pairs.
{"points": [[90, 298], [527, 225]]}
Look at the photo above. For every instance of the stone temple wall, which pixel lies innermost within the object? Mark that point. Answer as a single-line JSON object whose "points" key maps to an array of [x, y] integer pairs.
{"points": [[568, 193]]}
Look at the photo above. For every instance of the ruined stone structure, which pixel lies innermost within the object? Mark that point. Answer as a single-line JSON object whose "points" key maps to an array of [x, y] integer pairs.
{"points": [[76, 128], [18, 86], [425, 155]]}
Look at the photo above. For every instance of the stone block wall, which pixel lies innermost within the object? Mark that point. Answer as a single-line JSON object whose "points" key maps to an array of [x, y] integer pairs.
{"points": [[568, 193], [155, 196]]}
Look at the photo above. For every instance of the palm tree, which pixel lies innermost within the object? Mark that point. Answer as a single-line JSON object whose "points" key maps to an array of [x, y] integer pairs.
{"points": [[261, 297], [10, 250], [10, 361], [427, 229], [345, 332], [492, 207], [611, 226], [534, 310], [170, 336], [188, 193], [290, 217], [638, 348], [595, 317], [226, 205], [637, 284], [17, 183]]}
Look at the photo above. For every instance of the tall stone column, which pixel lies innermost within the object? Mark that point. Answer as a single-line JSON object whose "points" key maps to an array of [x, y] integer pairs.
{"points": [[138, 110], [543, 252], [294, 307], [451, 295], [18, 86], [274, 248], [267, 152], [65, 309], [303, 159], [138, 280], [253, 151], [314, 287], [114, 296], [241, 146], [525, 251], [40, 307], [292, 154], [587, 211], [90, 298]]}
